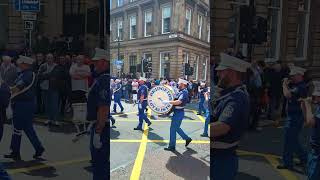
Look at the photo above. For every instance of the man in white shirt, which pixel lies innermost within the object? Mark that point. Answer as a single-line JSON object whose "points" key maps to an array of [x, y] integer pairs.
{"points": [[79, 73]]}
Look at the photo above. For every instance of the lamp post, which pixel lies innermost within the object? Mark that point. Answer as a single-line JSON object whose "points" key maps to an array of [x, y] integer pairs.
{"points": [[102, 23]]}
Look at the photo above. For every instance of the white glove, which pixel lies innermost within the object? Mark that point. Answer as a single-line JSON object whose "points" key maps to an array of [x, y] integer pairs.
{"points": [[140, 106], [96, 141], [165, 102]]}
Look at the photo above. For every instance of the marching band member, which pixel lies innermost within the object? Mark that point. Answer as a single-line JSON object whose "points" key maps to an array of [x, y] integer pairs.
{"points": [[4, 102], [178, 115], [142, 103], [117, 96], [231, 115], [202, 90], [23, 108], [207, 109], [313, 121], [293, 90], [98, 107]]}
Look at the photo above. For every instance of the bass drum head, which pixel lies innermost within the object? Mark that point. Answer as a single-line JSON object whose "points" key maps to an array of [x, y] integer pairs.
{"points": [[155, 97]]}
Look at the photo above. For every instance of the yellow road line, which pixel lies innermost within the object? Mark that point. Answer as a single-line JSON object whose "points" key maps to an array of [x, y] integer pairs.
{"points": [[125, 113], [200, 117], [164, 120], [285, 173], [135, 175], [42, 166], [156, 141]]}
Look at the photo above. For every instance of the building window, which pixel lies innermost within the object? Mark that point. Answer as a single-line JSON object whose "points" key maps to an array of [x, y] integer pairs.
{"points": [[204, 68], [302, 30], [133, 64], [133, 27], [166, 19], [164, 64], [200, 26], [187, 28], [120, 3], [120, 30], [274, 33], [147, 23], [196, 68], [208, 32]]}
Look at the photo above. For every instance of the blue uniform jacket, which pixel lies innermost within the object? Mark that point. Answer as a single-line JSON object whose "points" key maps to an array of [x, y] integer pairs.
{"points": [[24, 80], [143, 90], [183, 96], [99, 95], [315, 131], [233, 110]]}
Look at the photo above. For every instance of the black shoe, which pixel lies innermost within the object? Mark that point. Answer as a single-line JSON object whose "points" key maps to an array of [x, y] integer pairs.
{"points": [[149, 124], [122, 110], [188, 141], [198, 113], [14, 156], [38, 153], [204, 135], [140, 129], [284, 167], [170, 149]]}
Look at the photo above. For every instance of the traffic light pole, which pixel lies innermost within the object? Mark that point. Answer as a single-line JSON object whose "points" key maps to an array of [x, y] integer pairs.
{"points": [[102, 25]]}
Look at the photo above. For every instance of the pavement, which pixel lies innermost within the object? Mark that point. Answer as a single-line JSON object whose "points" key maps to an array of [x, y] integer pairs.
{"points": [[140, 155], [137, 155]]}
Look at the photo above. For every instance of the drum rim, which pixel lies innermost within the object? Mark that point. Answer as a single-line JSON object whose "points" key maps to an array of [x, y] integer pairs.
{"points": [[166, 86]]}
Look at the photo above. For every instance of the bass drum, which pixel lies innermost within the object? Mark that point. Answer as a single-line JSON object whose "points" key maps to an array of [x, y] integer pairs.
{"points": [[158, 94]]}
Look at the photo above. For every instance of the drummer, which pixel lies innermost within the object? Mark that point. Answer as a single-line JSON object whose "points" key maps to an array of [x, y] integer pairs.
{"points": [[142, 103], [178, 115]]}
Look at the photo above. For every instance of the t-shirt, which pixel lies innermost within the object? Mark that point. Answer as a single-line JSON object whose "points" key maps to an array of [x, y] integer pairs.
{"points": [[135, 86], [79, 84]]}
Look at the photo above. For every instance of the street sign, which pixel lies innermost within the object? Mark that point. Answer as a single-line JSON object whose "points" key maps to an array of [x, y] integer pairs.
{"points": [[118, 62], [27, 5], [29, 16], [28, 25]]}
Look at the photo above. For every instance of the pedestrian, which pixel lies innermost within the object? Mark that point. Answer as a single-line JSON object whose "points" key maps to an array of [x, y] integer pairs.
{"points": [[202, 90], [294, 88], [4, 102], [142, 103], [8, 71], [98, 111], [135, 86], [117, 94], [312, 120], [206, 105], [231, 114], [79, 73], [23, 107], [178, 115]]}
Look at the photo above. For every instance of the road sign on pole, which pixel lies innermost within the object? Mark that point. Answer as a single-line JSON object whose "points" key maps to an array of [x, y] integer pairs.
{"points": [[29, 16], [27, 5]]}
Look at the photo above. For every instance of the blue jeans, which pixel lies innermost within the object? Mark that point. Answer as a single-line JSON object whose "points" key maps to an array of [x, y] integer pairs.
{"points": [[201, 107], [292, 145], [142, 115], [117, 100], [313, 165], [3, 174], [44, 96], [100, 157], [224, 167], [22, 121], [126, 95], [176, 121], [54, 104], [207, 122]]}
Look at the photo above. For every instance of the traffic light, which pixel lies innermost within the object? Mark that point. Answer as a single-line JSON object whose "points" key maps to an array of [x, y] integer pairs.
{"points": [[186, 68], [191, 71], [149, 67], [138, 67], [145, 65]]}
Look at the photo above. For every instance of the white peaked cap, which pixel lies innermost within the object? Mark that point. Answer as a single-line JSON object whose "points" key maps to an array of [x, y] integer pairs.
{"points": [[142, 79], [182, 81], [118, 80], [100, 54], [316, 90], [25, 60], [296, 70], [231, 62]]}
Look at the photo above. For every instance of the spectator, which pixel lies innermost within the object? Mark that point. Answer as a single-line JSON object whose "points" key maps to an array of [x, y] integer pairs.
{"points": [[8, 71], [79, 73], [43, 77]]}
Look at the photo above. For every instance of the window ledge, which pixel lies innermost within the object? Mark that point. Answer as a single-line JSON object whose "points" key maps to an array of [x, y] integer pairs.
{"points": [[300, 58]]}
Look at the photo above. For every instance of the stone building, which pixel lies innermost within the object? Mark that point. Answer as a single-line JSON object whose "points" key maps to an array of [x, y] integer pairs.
{"points": [[56, 17], [293, 31], [169, 33]]}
